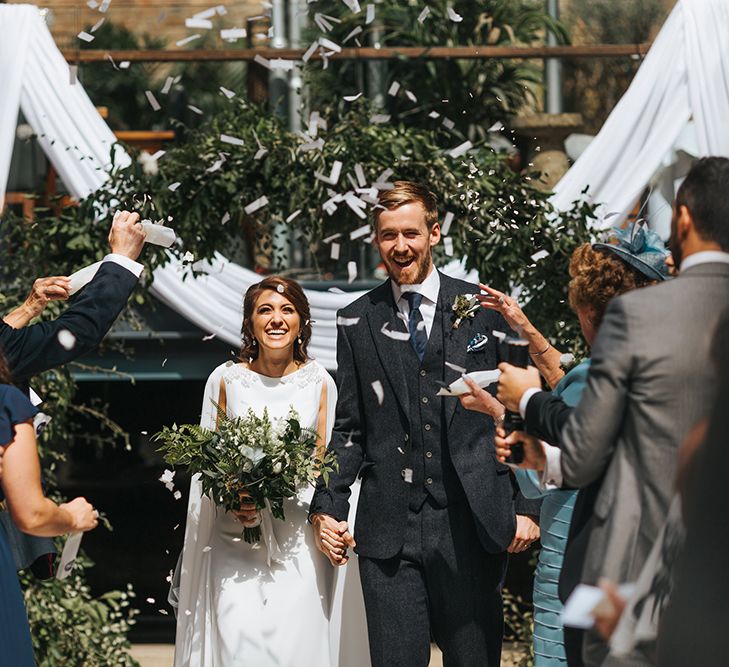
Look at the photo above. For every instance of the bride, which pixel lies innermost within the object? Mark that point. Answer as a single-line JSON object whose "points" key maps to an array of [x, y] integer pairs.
{"points": [[277, 602]]}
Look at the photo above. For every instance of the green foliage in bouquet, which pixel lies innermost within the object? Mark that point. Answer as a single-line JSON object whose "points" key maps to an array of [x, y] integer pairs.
{"points": [[247, 459]]}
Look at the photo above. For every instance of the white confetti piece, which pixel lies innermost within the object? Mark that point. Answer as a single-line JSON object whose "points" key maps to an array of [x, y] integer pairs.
{"points": [[359, 173], [187, 40], [411, 96], [394, 335], [92, 4], [334, 251], [370, 14], [228, 93], [394, 87], [352, 98], [354, 33], [566, 359], [407, 475], [351, 272], [448, 246], [225, 218], [455, 367], [294, 215], [446, 226], [97, 25], [347, 321], [360, 232], [233, 34], [264, 62], [188, 257], [500, 335], [173, 186], [453, 16], [379, 391], [448, 123], [260, 153], [333, 177], [423, 15], [540, 254], [72, 74], [66, 339], [168, 85], [151, 600], [461, 149], [177, 495], [433, 114], [104, 6], [195, 109], [152, 100], [207, 549], [124, 64], [310, 51], [380, 118], [353, 6], [85, 37], [329, 44], [496, 127], [199, 24], [233, 141], [256, 205]]}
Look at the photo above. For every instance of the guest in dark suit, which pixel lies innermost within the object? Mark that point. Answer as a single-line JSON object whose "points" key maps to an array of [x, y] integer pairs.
{"points": [[436, 511], [650, 381], [37, 348]]}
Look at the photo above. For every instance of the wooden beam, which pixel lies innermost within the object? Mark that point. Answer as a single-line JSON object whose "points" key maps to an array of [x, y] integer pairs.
{"points": [[369, 53]]}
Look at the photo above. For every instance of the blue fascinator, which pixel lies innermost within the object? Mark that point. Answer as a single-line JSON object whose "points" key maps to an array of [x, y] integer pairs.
{"points": [[641, 248]]}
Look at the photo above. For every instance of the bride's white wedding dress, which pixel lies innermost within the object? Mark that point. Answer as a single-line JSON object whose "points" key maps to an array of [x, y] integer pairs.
{"points": [[278, 603]]}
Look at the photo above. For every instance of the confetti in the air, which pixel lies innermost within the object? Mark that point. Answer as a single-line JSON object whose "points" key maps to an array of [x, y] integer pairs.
{"points": [[461, 149], [334, 251], [453, 16], [446, 226], [347, 321], [379, 391], [152, 100], [370, 15], [255, 205], [233, 141], [351, 272], [85, 37], [541, 254], [66, 339], [423, 15]]}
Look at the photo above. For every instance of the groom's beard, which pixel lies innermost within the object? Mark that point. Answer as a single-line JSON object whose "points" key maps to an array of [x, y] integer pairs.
{"points": [[417, 274]]}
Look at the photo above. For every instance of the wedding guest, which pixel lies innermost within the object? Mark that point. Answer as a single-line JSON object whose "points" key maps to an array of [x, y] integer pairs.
{"points": [[649, 382], [89, 316], [598, 273], [31, 511]]}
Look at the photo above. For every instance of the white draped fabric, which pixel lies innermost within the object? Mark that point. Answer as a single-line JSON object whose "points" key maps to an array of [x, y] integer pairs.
{"points": [[675, 108], [36, 78], [684, 76]]}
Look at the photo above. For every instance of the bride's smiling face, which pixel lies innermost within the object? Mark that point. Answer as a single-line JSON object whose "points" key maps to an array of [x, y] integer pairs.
{"points": [[275, 323]]}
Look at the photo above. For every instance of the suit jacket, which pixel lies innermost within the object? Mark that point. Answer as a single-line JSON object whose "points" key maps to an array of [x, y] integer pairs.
{"points": [[372, 439], [36, 348], [651, 379], [89, 317]]}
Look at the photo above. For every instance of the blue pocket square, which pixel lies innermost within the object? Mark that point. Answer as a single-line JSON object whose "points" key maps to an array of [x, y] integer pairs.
{"points": [[478, 342]]}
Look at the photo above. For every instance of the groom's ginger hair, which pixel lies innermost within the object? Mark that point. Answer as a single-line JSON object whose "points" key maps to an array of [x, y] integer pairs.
{"points": [[408, 192]]}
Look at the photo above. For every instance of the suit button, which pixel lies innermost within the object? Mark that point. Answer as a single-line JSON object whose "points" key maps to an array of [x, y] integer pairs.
{"points": [[424, 399], [428, 455], [427, 427], [423, 374], [429, 480]]}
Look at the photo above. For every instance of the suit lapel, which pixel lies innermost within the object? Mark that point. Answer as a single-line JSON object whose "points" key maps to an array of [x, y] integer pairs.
{"points": [[389, 351], [454, 340]]}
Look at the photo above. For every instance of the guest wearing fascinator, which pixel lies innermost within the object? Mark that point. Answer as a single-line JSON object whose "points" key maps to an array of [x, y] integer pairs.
{"points": [[650, 381], [598, 272]]}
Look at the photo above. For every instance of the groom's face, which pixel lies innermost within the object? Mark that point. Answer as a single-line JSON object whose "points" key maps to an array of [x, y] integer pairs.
{"points": [[405, 243]]}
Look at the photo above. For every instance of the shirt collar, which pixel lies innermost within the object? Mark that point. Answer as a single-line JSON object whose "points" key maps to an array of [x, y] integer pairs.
{"points": [[429, 288], [705, 257]]}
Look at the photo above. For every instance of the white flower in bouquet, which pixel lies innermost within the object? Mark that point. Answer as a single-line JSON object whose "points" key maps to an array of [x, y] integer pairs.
{"points": [[248, 458]]}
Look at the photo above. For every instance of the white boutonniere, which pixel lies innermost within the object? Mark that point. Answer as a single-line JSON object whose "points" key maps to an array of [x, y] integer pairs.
{"points": [[464, 306]]}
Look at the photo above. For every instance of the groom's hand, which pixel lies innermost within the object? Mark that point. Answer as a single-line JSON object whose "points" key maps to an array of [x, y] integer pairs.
{"points": [[527, 531], [332, 538]]}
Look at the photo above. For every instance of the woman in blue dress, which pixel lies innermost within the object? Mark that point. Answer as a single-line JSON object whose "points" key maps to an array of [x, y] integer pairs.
{"points": [[598, 273], [31, 511]]}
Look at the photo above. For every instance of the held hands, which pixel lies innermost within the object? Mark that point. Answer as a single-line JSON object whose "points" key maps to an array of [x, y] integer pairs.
{"points": [[534, 457], [514, 381], [248, 514], [506, 306], [527, 531], [481, 401], [83, 515], [126, 236], [332, 538]]}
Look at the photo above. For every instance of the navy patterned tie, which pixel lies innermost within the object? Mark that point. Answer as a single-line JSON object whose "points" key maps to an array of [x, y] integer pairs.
{"points": [[416, 326]]}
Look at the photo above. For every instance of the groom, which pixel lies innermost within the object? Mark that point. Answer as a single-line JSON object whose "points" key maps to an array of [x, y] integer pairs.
{"points": [[436, 511]]}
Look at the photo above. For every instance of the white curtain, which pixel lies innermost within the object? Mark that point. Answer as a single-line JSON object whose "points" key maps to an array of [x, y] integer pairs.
{"points": [[36, 78], [684, 76]]}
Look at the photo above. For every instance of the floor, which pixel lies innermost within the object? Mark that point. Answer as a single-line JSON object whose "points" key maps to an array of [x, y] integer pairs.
{"points": [[160, 655]]}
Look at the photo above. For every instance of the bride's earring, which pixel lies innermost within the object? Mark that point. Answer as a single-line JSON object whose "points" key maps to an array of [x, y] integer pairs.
{"points": [[299, 339], [254, 343]]}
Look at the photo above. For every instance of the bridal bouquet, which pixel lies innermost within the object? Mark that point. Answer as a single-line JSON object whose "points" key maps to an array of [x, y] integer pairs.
{"points": [[247, 456]]}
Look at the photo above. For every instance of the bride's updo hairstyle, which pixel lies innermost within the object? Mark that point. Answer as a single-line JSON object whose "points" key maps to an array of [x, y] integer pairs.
{"points": [[293, 292]]}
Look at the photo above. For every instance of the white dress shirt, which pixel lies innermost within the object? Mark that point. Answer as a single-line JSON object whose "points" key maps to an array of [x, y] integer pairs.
{"points": [[429, 288], [122, 260], [551, 476]]}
